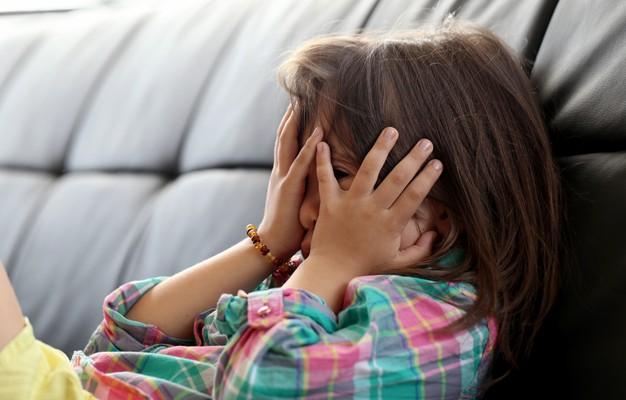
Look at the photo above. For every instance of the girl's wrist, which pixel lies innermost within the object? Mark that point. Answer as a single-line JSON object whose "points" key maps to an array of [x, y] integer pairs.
{"points": [[277, 251], [252, 253]]}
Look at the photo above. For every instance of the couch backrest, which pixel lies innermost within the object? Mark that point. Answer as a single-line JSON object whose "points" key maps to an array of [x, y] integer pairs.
{"points": [[137, 142]]}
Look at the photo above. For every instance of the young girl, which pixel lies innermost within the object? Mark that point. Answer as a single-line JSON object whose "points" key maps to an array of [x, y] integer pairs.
{"points": [[426, 246]]}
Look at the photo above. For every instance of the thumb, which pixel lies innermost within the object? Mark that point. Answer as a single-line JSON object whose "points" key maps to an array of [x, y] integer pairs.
{"points": [[420, 250], [426, 240]]}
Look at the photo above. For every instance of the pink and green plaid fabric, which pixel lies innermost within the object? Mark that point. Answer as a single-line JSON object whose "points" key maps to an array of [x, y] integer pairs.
{"points": [[381, 345]]}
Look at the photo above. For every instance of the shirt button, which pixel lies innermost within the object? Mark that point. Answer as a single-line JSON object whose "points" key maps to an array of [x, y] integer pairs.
{"points": [[263, 311]]}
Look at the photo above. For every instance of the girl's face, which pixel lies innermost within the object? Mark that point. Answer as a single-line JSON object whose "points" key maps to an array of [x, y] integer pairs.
{"points": [[431, 215]]}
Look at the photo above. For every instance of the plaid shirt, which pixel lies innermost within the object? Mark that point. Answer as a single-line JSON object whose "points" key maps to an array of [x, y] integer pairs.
{"points": [[381, 345]]}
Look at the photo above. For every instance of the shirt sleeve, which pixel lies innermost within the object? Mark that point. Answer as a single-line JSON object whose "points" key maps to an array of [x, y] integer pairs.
{"points": [[31, 369], [118, 333]]}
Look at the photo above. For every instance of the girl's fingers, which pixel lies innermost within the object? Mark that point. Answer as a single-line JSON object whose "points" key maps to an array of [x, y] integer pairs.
{"points": [[300, 166], [367, 175], [287, 142], [326, 181], [279, 131], [389, 189], [412, 197]]}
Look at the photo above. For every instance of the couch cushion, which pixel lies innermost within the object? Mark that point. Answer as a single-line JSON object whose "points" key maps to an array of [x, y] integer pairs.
{"points": [[74, 250]]}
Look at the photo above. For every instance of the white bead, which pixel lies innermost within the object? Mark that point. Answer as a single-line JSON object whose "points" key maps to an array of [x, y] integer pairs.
{"points": [[263, 310]]}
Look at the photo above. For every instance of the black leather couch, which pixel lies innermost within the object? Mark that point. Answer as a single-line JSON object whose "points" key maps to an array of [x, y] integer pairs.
{"points": [[135, 142]]}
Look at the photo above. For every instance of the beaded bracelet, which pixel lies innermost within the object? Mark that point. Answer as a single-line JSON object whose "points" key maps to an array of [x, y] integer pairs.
{"points": [[256, 240], [282, 274], [283, 269]]}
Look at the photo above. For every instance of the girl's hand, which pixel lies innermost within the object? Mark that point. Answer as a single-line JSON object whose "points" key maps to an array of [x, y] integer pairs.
{"points": [[281, 229], [362, 228]]}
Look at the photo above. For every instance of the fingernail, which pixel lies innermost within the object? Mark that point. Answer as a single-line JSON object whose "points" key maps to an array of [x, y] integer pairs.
{"points": [[437, 164], [317, 132], [391, 133], [425, 144], [320, 148]]}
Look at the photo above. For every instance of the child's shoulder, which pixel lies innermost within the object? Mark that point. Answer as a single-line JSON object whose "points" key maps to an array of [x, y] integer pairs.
{"points": [[409, 286], [401, 288]]}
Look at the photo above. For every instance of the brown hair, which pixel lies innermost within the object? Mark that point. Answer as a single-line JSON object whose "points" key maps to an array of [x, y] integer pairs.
{"points": [[463, 88]]}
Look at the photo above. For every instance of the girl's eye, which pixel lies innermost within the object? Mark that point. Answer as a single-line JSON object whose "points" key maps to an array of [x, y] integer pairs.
{"points": [[339, 174]]}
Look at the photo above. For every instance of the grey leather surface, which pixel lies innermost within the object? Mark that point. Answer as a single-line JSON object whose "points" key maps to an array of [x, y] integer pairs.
{"points": [[22, 194], [519, 23], [137, 142], [215, 202]]}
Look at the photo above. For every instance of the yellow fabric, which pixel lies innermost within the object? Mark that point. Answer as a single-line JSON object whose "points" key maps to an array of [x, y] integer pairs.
{"points": [[31, 369]]}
